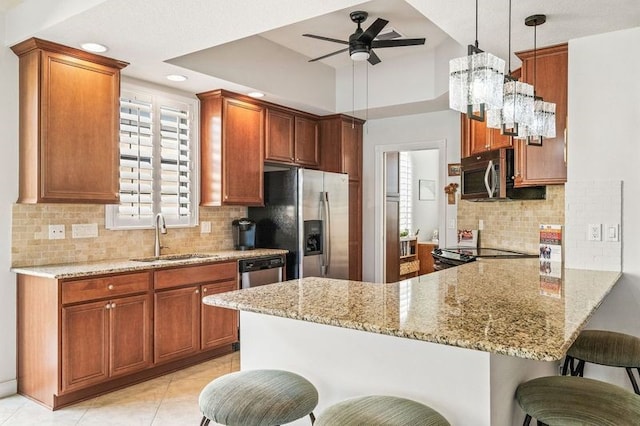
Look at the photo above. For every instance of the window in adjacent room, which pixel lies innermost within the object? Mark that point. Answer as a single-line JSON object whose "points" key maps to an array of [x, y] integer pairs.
{"points": [[406, 175], [158, 160]]}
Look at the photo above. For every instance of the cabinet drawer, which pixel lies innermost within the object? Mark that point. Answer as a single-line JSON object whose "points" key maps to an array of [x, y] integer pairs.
{"points": [[104, 287], [195, 275]]}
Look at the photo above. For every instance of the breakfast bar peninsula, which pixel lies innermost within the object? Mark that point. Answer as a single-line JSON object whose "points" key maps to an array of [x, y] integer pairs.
{"points": [[459, 340]]}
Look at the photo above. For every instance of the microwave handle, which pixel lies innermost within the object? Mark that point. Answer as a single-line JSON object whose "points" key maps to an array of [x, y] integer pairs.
{"points": [[490, 171]]}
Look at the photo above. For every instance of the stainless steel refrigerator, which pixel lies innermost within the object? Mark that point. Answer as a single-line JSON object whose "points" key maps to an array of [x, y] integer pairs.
{"points": [[306, 212]]}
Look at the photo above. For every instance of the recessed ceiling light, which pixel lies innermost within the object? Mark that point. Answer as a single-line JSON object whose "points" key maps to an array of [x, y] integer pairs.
{"points": [[176, 77], [94, 47], [256, 94]]}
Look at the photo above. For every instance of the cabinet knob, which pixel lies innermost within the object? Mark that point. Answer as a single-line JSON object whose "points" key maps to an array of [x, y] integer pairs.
{"points": [[110, 286], [113, 305], [204, 290], [197, 291], [108, 306]]}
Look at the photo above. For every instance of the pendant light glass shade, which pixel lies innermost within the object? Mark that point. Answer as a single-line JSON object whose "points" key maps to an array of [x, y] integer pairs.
{"points": [[475, 83], [544, 122], [517, 109]]}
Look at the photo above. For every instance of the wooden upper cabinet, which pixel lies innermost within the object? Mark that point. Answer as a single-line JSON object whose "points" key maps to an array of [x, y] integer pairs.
{"points": [[291, 138], [231, 149], [546, 164], [341, 144], [307, 152], [279, 145], [477, 138], [69, 124]]}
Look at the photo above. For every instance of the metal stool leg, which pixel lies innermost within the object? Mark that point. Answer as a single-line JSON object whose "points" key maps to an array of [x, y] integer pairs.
{"points": [[313, 418], [527, 420], [205, 421], [568, 362], [633, 380]]}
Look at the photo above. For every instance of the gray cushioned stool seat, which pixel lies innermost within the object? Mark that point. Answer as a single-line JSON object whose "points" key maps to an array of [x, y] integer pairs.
{"points": [[607, 348], [380, 410], [258, 397], [569, 400]]}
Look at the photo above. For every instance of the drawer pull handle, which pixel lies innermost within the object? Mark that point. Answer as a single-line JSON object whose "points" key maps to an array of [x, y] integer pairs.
{"points": [[110, 286]]}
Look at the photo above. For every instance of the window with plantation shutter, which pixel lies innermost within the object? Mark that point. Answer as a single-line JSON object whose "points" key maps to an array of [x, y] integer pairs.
{"points": [[158, 141], [406, 207]]}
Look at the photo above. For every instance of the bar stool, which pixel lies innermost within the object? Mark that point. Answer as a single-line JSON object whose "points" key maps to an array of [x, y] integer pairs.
{"points": [[605, 348], [563, 400], [257, 397], [380, 410]]}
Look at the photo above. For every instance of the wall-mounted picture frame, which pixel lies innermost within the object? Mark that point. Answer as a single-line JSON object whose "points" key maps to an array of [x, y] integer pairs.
{"points": [[454, 169], [426, 190]]}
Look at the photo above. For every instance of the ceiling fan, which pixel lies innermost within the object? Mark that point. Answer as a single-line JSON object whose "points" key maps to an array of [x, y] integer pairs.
{"points": [[362, 42]]}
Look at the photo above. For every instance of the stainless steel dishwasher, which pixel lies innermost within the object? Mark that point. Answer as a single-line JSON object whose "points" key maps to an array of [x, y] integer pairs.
{"points": [[260, 270]]}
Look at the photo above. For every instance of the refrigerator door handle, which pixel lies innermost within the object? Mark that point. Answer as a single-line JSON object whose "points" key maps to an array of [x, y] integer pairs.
{"points": [[326, 259]]}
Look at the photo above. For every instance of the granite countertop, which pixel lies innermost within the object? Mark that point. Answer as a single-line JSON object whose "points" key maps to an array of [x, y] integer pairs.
{"points": [[78, 270], [499, 306]]}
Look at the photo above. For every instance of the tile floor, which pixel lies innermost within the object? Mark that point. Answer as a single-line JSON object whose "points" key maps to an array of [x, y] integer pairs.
{"points": [[168, 400]]}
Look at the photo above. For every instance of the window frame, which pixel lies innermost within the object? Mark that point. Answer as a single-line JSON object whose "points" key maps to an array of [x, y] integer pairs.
{"points": [[159, 97]]}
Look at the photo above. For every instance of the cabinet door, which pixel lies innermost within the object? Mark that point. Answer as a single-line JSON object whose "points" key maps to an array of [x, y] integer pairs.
{"points": [[176, 325], [130, 334], [355, 230], [85, 345], [79, 135], [497, 140], [306, 142], [219, 325], [242, 152], [478, 137], [279, 137], [546, 164], [352, 149]]}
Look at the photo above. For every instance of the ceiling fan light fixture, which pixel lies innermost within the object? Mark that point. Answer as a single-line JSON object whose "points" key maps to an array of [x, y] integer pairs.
{"points": [[360, 55]]}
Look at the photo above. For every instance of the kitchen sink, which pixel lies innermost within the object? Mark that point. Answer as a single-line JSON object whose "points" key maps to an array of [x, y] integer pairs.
{"points": [[173, 257]]}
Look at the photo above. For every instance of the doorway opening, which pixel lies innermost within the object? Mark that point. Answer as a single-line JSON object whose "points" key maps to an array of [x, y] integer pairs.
{"points": [[410, 209]]}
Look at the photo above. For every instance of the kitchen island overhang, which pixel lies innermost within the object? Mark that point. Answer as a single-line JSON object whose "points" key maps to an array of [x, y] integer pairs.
{"points": [[460, 340]]}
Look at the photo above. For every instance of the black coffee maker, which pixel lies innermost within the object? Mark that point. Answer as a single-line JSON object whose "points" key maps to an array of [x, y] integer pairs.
{"points": [[244, 234]]}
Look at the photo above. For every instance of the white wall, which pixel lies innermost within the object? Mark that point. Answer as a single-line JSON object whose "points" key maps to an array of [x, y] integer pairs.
{"points": [[604, 89], [424, 165], [8, 195], [443, 125]]}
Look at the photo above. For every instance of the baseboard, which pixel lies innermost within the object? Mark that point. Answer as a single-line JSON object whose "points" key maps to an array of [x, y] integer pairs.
{"points": [[10, 387]]}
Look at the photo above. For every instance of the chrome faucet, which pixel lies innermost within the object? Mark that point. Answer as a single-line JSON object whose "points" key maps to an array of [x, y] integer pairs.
{"points": [[161, 227]]}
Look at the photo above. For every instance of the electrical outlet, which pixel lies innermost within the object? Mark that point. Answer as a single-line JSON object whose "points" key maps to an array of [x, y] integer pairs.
{"points": [[594, 232], [56, 232], [612, 232], [205, 227], [480, 225], [84, 230]]}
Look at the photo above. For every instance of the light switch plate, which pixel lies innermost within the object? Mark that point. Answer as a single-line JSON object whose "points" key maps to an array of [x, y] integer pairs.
{"points": [[594, 232], [205, 227], [612, 232], [84, 230]]}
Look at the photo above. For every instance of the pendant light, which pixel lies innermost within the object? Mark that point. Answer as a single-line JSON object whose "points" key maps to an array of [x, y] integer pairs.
{"points": [[544, 114], [475, 81], [518, 106]]}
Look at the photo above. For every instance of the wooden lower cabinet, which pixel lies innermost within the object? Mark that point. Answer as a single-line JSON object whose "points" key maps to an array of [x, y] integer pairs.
{"points": [[219, 325], [78, 338], [105, 339], [176, 327]]}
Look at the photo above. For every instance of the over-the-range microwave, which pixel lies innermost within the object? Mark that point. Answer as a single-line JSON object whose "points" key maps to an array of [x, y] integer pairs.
{"points": [[490, 176]]}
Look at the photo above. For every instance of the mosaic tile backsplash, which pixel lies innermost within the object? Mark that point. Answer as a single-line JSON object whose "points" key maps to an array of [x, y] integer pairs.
{"points": [[513, 225], [31, 246]]}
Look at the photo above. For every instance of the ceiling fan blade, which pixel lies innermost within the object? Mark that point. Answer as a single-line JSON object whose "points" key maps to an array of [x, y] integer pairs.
{"points": [[329, 54], [397, 42], [326, 38], [373, 30], [373, 58]]}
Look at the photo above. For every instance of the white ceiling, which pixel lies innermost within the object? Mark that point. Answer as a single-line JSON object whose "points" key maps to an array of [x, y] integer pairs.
{"points": [[149, 33]]}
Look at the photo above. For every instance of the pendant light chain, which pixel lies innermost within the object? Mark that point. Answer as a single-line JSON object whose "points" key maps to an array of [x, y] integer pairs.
{"points": [[476, 24], [509, 58]]}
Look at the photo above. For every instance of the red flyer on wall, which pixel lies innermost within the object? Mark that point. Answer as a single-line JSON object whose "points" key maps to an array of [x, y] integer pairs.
{"points": [[551, 243]]}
